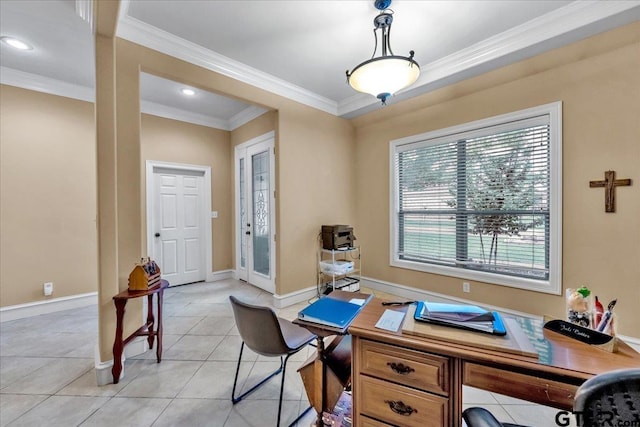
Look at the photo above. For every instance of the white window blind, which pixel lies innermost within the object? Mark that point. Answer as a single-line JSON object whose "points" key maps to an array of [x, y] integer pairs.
{"points": [[477, 199]]}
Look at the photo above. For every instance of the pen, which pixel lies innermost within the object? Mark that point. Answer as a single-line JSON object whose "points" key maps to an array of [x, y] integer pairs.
{"points": [[399, 302], [606, 317]]}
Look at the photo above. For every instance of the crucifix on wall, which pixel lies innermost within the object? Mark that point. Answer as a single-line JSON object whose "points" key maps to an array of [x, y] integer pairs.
{"points": [[610, 183]]}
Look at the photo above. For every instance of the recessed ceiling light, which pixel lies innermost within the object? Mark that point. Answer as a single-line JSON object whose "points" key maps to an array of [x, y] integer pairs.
{"points": [[16, 43], [188, 92]]}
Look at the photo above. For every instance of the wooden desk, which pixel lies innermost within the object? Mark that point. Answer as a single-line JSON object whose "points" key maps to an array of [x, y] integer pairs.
{"points": [[147, 329], [321, 389], [407, 380]]}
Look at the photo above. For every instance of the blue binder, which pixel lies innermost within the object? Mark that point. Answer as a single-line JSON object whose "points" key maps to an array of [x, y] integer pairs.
{"points": [[494, 327], [330, 312]]}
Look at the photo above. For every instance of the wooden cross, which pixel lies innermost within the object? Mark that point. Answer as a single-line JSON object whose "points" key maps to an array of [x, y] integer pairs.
{"points": [[610, 183]]}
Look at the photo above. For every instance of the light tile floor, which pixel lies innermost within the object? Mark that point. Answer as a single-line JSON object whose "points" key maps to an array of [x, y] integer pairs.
{"points": [[47, 375]]}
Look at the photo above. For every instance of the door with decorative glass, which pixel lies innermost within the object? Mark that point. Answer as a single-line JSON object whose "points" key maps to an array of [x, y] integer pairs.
{"points": [[255, 216]]}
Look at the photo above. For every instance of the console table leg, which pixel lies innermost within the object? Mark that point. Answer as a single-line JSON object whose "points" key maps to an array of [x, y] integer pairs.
{"points": [[118, 344], [150, 320], [159, 327]]}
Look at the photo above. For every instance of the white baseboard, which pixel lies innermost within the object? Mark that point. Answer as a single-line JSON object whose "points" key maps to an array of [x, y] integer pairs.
{"points": [[219, 275], [281, 301], [20, 311], [634, 343], [103, 369]]}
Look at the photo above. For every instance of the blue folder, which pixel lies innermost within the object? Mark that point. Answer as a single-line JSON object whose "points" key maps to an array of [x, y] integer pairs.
{"points": [[330, 312], [494, 327]]}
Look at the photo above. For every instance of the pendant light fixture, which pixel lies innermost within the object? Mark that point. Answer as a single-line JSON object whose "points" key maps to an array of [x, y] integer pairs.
{"points": [[386, 74]]}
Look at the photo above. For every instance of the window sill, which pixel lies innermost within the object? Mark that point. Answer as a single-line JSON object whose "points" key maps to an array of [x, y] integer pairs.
{"points": [[544, 286]]}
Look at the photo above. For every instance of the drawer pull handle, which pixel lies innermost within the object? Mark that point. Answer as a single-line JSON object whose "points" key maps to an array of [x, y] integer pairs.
{"points": [[400, 368], [400, 408]]}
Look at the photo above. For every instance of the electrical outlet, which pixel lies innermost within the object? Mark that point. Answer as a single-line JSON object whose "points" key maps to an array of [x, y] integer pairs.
{"points": [[48, 289], [466, 287]]}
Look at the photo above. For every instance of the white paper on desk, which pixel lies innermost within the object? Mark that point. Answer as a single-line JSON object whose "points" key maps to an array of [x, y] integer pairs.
{"points": [[390, 320], [357, 301]]}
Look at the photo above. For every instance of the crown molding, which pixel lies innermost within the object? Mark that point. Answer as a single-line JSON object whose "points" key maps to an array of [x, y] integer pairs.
{"points": [[146, 35], [161, 110], [554, 28], [245, 116], [233, 123], [38, 83], [564, 25]]}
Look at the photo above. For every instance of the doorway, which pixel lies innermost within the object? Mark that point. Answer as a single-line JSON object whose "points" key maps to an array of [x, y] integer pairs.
{"points": [[178, 225], [255, 212]]}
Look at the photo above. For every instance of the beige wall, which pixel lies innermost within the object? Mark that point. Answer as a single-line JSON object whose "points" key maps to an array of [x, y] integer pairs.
{"points": [[265, 123], [301, 130], [315, 172], [179, 142], [599, 84], [48, 196]]}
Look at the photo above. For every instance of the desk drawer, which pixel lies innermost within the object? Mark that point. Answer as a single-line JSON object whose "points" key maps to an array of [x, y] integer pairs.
{"points": [[522, 386], [412, 407], [370, 422], [408, 367]]}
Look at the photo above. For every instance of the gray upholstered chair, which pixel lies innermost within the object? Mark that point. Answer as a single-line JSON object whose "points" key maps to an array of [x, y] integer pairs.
{"points": [[612, 398], [268, 335]]}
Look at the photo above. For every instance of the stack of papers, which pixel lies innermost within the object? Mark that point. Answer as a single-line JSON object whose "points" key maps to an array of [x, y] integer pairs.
{"points": [[463, 316]]}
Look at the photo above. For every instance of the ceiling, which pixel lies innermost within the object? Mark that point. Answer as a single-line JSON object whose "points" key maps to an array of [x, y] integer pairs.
{"points": [[297, 49]]}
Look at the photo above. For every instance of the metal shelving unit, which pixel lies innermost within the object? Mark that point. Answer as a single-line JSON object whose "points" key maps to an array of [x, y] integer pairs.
{"points": [[330, 279]]}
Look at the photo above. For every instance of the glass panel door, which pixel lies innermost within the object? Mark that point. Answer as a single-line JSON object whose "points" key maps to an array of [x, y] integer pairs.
{"points": [[261, 218], [255, 212]]}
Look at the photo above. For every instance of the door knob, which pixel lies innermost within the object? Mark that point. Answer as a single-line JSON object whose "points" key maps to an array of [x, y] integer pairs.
{"points": [[157, 234]]}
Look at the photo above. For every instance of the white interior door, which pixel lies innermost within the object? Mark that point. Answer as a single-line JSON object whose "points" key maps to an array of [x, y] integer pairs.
{"points": [[255, 212], [178, 225]]}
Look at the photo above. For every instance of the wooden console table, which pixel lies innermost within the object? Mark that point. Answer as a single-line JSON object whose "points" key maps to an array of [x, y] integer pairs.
{"points": [[147, 329]]}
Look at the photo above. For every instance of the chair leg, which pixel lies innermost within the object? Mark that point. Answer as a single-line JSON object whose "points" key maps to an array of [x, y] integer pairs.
{"points": [[302, 414], [234, 399], [284, 371]]}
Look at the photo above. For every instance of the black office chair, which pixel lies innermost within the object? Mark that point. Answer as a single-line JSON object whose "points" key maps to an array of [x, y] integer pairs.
{"points": [[268, 335], [480, 417], [612, 398]]}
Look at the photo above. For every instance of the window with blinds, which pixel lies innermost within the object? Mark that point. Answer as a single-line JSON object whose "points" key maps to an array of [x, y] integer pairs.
{"points": [[478, 201]]}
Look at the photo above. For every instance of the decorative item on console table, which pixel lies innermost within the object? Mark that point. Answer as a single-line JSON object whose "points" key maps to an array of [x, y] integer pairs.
{"points": [[144, 275]]}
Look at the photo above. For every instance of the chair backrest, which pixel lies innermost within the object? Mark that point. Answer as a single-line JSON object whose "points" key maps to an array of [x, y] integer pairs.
{"points": [[259, 328], [612, 398]]}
